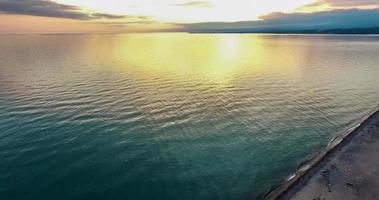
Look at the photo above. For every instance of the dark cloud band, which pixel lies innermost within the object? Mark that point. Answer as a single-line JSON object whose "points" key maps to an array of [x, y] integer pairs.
{"points": [[49, 8], [276, 22]]}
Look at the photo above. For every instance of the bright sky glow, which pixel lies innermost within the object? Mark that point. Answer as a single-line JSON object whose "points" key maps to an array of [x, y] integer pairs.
{"points": [[187, 11]]}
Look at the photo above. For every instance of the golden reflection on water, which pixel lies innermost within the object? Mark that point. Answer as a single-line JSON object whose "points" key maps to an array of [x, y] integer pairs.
{"points": [[212, 57]]}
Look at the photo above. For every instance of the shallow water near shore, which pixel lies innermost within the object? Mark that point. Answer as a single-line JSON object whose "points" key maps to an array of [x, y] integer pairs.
{"points": [[173, 116]]}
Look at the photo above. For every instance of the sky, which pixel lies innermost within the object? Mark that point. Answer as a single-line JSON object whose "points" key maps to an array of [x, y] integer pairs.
{"points": [[76, 16]]}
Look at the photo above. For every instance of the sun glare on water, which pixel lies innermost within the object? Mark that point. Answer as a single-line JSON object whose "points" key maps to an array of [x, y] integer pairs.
{"points": [[214, 58]]}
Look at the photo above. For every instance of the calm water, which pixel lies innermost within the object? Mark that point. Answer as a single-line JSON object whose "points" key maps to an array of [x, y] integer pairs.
{"points": [[173, 116]]}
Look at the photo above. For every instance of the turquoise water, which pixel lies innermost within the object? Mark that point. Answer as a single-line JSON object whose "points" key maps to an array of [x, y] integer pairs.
{"points": [[173, 116]]}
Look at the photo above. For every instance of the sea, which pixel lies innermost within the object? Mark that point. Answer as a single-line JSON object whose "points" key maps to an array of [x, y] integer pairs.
{"points": [[173, 116]]}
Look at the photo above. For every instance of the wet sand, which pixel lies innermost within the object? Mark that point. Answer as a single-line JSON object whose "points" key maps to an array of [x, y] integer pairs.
{"points": [[348, 168]]}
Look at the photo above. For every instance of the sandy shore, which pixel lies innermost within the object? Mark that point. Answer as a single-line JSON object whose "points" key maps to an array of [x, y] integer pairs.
{"points": [[348, 168]]}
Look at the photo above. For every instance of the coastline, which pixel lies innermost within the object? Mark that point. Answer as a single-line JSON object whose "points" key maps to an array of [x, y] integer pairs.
{"points": [[197, 33], [337, 165]]}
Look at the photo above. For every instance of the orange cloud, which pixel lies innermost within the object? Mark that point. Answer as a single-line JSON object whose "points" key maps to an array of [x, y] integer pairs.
{"points": [[322, 5]]}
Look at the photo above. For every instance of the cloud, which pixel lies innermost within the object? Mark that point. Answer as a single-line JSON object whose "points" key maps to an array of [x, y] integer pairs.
{"points": [[198, 4], [47, 8], [336, 19], [131, 20], [339, 4]]}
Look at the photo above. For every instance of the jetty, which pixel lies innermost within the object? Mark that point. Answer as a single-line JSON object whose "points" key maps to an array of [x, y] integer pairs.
{"points": [[347, 169]]}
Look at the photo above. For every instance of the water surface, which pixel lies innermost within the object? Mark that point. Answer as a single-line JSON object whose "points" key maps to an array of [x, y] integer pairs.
{"points": [[173, 116]]}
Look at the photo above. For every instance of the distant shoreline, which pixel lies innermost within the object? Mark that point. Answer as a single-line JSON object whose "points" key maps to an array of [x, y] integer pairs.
{"points": [[278, 34], [374, 31], [347, 31]]}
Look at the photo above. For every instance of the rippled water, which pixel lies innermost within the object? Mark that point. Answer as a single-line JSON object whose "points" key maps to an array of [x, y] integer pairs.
{"points": [[173, 116]]}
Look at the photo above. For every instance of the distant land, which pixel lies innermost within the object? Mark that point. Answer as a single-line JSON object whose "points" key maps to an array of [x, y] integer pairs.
{"points": [[347, 31]]}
